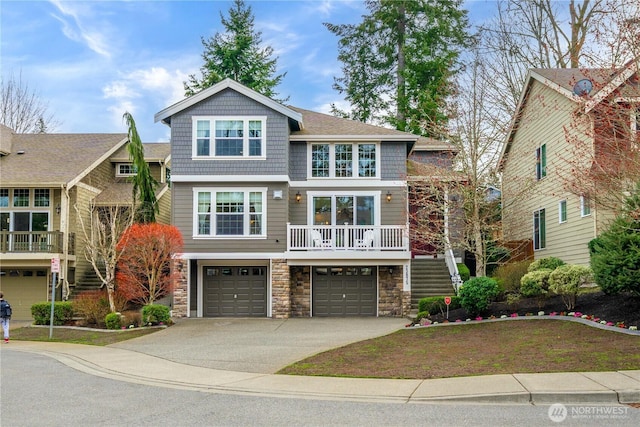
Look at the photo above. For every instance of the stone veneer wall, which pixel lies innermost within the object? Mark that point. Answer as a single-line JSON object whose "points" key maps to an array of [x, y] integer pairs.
{"points": [[280, 289], [392, 299], [179, 266], [301, 291]]}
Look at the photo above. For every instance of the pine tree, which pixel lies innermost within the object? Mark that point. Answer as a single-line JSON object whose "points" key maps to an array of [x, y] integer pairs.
{"points": [[399, 61], [237, 54]]}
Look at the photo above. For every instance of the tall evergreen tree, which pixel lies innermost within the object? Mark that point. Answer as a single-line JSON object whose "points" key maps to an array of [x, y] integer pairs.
{"points": [[237, 54], [144, 185], [399, 61]]}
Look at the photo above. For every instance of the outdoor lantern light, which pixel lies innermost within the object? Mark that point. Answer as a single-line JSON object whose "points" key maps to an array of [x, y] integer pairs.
{"points": [[298, 197], [389, 196], [58, 209]]}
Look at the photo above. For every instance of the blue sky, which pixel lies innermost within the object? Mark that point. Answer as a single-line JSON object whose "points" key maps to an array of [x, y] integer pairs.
{"points": [[93, 60]]}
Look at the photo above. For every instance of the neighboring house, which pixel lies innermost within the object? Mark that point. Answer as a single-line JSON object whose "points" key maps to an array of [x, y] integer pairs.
{"points": [[286, 212], [43, 179], [562, 131]]}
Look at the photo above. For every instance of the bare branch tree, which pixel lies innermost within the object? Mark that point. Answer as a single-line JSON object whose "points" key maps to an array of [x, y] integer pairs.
{"points": [[22, 109], [103, 227]]}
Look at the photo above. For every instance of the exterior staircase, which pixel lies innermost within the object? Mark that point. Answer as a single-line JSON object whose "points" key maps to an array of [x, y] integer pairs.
{"points": [[89, 282], [429, 277]]}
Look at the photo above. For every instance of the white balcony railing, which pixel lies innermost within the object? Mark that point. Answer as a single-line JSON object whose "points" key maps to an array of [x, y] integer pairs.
{"points": [[347, 237]]}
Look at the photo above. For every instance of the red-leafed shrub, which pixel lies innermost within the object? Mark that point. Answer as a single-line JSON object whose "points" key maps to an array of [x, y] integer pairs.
{"points": [[144, 272]]}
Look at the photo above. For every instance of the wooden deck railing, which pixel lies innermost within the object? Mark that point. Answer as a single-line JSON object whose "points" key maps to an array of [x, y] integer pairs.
{"points": [[34, 242]]}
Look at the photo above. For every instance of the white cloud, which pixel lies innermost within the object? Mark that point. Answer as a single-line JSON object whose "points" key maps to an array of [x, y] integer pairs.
{"points": [[77, 31]]}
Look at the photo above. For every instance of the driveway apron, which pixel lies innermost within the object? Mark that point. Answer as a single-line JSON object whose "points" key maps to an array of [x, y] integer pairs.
{"points": [[256, 345]]}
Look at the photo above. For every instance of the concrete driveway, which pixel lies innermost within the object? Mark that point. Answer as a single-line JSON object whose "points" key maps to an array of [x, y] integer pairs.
{"points": [[256, 345]]}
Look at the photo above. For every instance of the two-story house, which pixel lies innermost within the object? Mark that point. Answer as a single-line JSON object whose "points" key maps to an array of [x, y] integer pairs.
{"points": [[47, 181], [571, 146], [284, 211]]}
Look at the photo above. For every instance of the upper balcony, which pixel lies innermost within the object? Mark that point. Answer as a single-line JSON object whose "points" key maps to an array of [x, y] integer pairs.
{"points": [[374, 242], [34, 242]]}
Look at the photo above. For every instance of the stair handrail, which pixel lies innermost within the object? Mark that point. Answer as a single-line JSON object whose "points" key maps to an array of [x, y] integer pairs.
{"points": [[456, 280]]}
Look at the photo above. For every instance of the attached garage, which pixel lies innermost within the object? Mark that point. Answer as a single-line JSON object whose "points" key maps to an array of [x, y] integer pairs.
{"points": [[344, 291], [22, 289], [235, 291]]}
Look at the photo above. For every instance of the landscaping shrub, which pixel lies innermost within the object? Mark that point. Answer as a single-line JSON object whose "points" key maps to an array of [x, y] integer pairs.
{"points": [[615, 257], [536, 284], [550, 262], [92, 306], [155, 313], [477, 293], [132, 318], [566, 281], [464, 272], [62, 313], [421, 315], [437, 305], [112, 321], [509, 275]]}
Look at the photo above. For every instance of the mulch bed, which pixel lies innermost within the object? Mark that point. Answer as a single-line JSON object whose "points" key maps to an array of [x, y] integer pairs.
{"points": [[623, 308]]}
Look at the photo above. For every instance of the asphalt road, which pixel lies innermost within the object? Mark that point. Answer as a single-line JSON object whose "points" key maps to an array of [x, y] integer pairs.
{"points": [[36, 390]]}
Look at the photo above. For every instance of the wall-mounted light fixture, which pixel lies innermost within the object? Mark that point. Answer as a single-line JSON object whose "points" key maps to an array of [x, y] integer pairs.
{"points": [[388, 196], [298, 197], [58, 209], [391, 270]]}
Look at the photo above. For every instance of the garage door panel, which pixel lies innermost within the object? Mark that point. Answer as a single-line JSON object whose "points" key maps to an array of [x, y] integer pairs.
{"points": [[344, 291], [24, 290], [236, 291]]}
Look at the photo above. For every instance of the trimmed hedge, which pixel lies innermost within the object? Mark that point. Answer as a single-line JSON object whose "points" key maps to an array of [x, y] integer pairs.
{"points": [[155, 313], [112, 321], [437, 305], [464, 272], [62, 312]]}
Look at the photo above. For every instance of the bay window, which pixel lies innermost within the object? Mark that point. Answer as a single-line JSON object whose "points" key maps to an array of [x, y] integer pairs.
{"points": [[230, 212]]}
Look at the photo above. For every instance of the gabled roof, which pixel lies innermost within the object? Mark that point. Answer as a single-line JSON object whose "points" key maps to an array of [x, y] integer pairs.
{"points": [[165, 115], [154, 152], [605, 82], [121, 193], [318, 126], [56, 159]]}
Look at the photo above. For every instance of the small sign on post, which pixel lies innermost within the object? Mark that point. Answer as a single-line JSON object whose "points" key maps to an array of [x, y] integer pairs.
{"points": [[447, 301], [55, 269]]}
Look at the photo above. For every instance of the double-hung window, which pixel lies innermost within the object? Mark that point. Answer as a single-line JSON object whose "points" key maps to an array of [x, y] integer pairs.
{"points": [[539, 230], [125, 169], [343, 160], [585, 206], [541, 161], [562, 211], [234, 212], [229, 137]]}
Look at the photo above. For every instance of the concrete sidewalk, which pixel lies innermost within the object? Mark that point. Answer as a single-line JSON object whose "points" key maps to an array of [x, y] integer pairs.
{"points": [[125, 365]]}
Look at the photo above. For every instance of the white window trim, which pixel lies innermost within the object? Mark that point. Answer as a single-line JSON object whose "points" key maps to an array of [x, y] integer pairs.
{"points": [[332, 160], [377, 218], [583, 205], [214, 190], [542, 247], [118, 173], [560, 221], [212, 138]]}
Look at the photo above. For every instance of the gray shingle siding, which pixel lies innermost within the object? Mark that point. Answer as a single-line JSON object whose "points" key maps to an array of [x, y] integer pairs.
{"points": [[229, 103], [298, 163], [393, 161]]}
